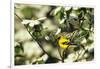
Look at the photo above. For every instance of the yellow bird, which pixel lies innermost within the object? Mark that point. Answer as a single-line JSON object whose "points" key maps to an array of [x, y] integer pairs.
{"points": [[63, 42], [64, 39]]}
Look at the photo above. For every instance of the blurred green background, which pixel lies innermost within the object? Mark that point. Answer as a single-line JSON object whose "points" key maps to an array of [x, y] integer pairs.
{"points": [[57, 19]]}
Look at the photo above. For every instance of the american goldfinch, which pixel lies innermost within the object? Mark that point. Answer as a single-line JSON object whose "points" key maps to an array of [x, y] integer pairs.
{"points": [[62, 42]]}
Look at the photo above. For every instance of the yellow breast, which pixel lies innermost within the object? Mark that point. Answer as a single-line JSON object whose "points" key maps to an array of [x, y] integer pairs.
{"points": [[61, 42]]}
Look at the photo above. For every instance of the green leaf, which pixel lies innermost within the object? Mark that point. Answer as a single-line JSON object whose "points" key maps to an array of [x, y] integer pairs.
{"points": [[40, 62], [85, 25], [27, 12], [89, 41], [17, 49]]}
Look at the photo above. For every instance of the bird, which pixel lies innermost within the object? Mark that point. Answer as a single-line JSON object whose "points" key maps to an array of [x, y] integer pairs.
{"points": [[64, 40]]}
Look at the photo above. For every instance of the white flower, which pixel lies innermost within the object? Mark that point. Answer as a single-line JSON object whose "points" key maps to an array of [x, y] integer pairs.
{"points": [[31, 22], [58, 31], [34, 22], [26, 21], [42, 18], [47, 37]]}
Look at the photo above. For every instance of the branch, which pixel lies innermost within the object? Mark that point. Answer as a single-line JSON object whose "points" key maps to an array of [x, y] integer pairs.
{"points": [[61, 56]]}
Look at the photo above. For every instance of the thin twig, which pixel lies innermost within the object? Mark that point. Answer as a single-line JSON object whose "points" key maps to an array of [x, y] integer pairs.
{"points": [[73, 34], [81, 53], [18, 17], [60, 55], [78, 56], [63, 53]]}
